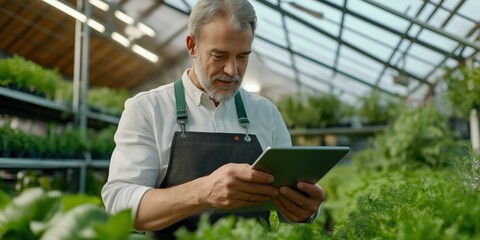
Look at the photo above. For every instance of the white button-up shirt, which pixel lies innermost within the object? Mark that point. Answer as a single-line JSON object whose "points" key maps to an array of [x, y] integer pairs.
{"points": [[148, 123]]}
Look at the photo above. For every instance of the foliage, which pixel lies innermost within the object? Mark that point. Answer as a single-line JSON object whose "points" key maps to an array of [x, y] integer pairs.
{"points": [[102, 142], [36, 214], [25, 75], [467, 171], [463, 90], [231, 228], [421, 205], [418, 138], [107, 100], [377, 110], [313, 112]]}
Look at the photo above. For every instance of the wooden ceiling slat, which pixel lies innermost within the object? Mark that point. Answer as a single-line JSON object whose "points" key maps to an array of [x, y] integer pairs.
{"points": [[45, 35], [9, 26], [22, 45], [101, 50], [101, 75], [4, 5], [100, 62], [134, 79]]}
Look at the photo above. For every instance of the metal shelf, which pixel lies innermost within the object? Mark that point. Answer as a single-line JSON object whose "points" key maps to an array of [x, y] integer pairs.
{"points": [[100, 117], [338, 130], [48, 163], [30, 106], [33, 107], [99, 163]]}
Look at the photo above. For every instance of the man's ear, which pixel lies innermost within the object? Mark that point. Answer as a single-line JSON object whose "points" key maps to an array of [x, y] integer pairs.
{"points": [[191, 46]]}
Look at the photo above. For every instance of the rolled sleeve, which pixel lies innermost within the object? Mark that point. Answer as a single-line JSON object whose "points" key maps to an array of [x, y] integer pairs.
{"points": [[134, 165]]}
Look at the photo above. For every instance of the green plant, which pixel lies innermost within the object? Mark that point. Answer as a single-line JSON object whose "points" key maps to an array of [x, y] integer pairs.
{"points": [[375, 109], [467, 170], [102, 143], [463, 90], [418, 138], [107, 100], [238, 229], [314, 112], [36, 214], [415, 205], [25, 75]]}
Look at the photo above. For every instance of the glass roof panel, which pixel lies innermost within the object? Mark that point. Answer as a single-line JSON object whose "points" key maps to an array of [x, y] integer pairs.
{"points": [[437, 40], [357, 87], [375, 47], [470, 9], [379, 15], [459, 26], [265, 49], [314, 83], [172, 22], [179, 4], [349, 56], [309, 67], [280, 68], [329, 20], [269, 24], [438, 18]]}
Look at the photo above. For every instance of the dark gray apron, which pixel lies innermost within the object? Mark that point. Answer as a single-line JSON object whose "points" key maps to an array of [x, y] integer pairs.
{"points": [[197, 154]]}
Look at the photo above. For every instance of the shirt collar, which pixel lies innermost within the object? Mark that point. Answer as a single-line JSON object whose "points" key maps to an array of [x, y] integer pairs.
{"points": [[191, 90], [195, 93]]}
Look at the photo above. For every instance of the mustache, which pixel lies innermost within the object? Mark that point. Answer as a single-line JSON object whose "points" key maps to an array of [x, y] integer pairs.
{"points": [[227, 78]]}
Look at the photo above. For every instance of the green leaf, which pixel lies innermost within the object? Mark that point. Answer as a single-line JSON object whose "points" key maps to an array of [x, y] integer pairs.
{"points": [[111, 229], [4, 200], [77, 223], [32, 205], [71, 201]]}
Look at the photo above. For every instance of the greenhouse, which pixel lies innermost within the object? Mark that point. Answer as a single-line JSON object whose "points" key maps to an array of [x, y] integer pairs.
{"points": [[142, 119]]}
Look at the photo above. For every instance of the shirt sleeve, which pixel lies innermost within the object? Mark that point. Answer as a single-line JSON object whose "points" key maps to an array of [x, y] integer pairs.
{"points": [[281, 136], [135, 162]]}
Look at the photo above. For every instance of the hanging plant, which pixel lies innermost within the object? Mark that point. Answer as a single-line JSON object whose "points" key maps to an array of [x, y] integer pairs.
{"points": [[464, 91]]}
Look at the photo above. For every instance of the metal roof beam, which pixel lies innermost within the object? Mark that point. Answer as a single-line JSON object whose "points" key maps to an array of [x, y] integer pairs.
{"points": [[452, 13], [319, 30], [308, 75], [325, 65], [289, 49], [421, 24], [337, 52], [391, 30], [401, 41]]}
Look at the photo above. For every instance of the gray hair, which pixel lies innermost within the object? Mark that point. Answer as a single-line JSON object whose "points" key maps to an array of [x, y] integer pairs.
{"points": [[239, 12]]}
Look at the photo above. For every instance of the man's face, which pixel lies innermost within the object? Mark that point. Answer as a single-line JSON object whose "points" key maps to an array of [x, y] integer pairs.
{"points": [[221, 58]]}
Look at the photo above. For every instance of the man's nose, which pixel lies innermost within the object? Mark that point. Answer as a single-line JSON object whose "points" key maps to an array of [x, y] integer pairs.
{"points": [[231, 67]]}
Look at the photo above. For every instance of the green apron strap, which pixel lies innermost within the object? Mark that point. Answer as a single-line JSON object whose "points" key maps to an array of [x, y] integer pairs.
{"points": [[182, 115], [242, 115]]}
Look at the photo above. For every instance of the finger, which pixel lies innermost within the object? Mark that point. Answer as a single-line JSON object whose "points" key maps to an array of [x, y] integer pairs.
{"points": [[248, 197], [245, 173], [230, 204], [290, 210], [299, 200], [257, 189], [313, 190]]}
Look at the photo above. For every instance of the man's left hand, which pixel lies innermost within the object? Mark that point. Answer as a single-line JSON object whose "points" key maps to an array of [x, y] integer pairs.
{"points": [[298, 206]]}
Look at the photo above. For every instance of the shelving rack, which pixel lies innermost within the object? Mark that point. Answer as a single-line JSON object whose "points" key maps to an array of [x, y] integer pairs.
{"points": [[37, 108]]}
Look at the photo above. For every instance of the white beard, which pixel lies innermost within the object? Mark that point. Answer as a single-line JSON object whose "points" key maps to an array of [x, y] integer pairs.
{"points": [[209, 87]]}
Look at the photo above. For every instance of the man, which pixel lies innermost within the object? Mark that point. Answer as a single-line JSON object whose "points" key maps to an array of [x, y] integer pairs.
{"points": [[184, 149]]}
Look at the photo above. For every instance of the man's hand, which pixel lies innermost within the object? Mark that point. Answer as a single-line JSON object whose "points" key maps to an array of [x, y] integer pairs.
{"points": [[299, 206], [238, 185]]}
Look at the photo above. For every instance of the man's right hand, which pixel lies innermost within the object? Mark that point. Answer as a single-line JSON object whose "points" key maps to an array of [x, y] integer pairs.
{"points": [[237, 185]]}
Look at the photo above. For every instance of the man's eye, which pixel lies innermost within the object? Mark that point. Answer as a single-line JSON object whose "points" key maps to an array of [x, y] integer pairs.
{"points": [[218, 56]]}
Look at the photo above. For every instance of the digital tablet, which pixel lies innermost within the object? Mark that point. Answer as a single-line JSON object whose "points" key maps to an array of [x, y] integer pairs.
{"points": [[290, 165]]}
